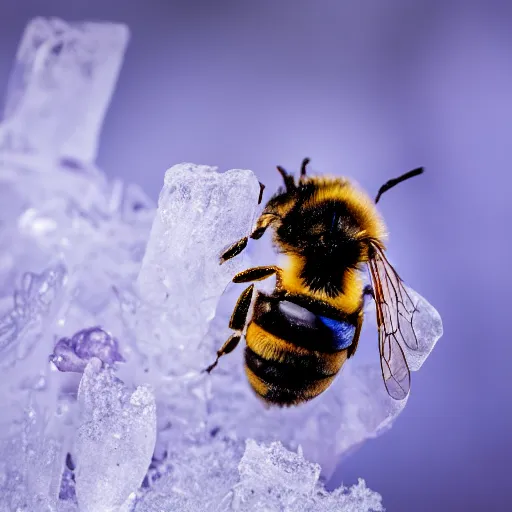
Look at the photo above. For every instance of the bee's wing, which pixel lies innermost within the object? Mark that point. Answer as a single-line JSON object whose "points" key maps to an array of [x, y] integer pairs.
{"points": [[395, 309]]}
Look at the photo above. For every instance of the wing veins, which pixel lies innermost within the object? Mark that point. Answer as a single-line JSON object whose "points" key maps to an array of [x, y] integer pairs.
{"points": [[393, 307]]}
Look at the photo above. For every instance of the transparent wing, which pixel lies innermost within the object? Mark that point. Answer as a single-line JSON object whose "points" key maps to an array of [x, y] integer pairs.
{"points": [[395, 311]]}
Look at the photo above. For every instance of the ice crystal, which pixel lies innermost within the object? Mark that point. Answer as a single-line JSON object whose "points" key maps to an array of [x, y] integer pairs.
{"points": [[73, 354]]}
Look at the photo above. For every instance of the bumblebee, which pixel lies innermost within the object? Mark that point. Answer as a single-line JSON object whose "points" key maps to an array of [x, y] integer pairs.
{"points": [[299, 336]]}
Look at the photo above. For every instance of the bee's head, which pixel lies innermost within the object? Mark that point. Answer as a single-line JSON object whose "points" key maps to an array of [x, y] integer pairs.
{"points": [[329, 220]]}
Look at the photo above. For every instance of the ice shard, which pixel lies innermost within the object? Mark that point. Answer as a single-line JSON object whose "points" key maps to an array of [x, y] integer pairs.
{"points": [[200, 212], [60, 88], [115, 440]]}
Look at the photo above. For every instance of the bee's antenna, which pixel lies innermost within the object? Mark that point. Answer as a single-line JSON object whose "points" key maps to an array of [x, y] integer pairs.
{"points": [[288, 179], [305, 162], [395, 181]]}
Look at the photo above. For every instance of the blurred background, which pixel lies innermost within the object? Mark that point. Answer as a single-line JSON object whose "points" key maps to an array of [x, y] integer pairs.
{"points": [[368, 89]]}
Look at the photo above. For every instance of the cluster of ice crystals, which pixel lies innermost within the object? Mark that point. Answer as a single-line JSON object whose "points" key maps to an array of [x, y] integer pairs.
{"points": [[60, 268], [268, 478], [273, 478], [110, 308]]}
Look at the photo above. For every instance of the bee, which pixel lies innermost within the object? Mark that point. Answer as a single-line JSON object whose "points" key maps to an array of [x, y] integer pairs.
{"points": [[299, 336]]}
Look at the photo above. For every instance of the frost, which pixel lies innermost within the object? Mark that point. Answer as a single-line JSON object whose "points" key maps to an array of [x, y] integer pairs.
{"points": [[268, 478], [111, 307], [21, 325], [273, 478]]}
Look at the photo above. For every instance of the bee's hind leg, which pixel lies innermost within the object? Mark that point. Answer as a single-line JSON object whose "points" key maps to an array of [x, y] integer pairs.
{"points": [[237, 323], [228, 347]]}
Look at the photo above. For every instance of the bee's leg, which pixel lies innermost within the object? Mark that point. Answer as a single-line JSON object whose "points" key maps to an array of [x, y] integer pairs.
{"points": [[237, 323], [233, 250], [261, 225], [228, 347], [255, 274]]}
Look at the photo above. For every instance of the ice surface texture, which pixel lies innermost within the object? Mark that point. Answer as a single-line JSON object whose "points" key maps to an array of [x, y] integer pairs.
{"points": [[61, 86], [115, 441], [110, 308], [272, 478], [199, 212], [267, 478]]}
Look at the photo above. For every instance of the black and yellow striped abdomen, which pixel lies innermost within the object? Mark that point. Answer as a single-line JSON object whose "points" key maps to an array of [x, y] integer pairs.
{"points": [[294, 355]]}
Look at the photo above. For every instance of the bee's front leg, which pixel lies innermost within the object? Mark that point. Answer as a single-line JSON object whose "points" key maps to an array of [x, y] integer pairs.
{"points": [[235, 249]]}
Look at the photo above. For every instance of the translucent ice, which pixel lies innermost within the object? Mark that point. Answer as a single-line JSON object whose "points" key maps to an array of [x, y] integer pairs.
{"points": [[273, 478], [61, 87], [262, 478], [115, 440], [21, 325], [30, 470], [428, 326], [194, 478], [73, 354], [58, 266], [200, 212]]}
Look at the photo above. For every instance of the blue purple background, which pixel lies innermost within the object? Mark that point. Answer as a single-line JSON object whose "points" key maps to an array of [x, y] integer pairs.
{"points": [[369, 89]]}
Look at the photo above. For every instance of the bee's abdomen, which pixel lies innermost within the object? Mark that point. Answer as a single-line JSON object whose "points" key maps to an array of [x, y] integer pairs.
{"points": [[288, 362], [289, 380]]}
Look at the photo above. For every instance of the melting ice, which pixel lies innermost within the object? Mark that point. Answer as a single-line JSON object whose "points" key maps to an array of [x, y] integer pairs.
{"points": [[110, 307]]}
